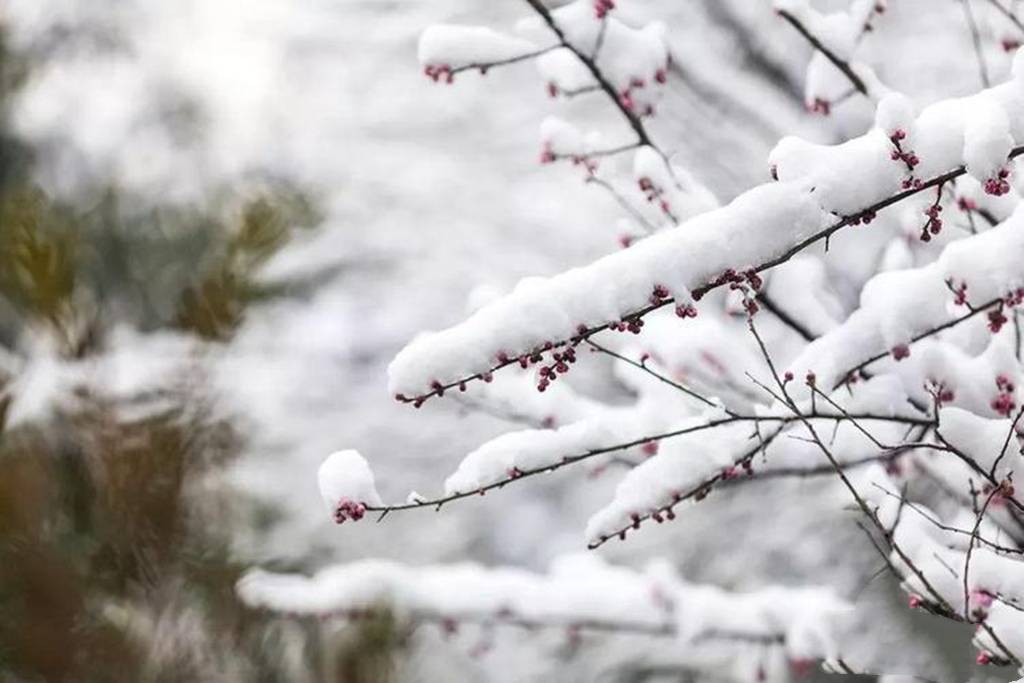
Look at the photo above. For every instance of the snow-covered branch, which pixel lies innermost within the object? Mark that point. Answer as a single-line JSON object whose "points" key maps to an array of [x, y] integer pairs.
{"points": [[737, 635]]}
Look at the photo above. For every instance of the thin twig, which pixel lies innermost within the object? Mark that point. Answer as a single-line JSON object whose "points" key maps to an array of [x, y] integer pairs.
{"points": [[831, 56], [700, 291]]}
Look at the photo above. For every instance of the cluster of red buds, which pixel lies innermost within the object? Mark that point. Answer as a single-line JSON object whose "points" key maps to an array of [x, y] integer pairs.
{"points": [[589, 164], [959, 292], [686, 310], [819, 106], [547, 155], [999, 184], [625, 241], [982, 600], [966, 204], [1002, 492], [436, 388], [854, 377], [893, 467], [801, 667], [659, 294], [996, 319], [939, 392], [747, 283], [864, 217], [603, 7], [634, 325], [879, 8], [984, 658], [561, 360], [907, 157], [934, 224], [1010, 44], [626, 96], [653, 192], [900, 351], [1003, 403], [439, 72], [739, 279], [348, 509], [659, 515]]}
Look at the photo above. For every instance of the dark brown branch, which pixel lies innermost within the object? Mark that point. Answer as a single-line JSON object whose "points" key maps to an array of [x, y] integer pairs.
{"points": [[945, 527], [972, 25], [641, 365], [979, 517], [483, 67], [634, 121], [982, 472], [698, 491], [923, 335], [1006, 443], [623, 202], [819, 236], [1006, 12], [831, 56], [940, 602], [586, 455], [786, 319]]}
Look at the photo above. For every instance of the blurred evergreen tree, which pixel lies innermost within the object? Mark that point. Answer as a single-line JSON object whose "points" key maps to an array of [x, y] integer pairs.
{"points": [[114, 540]]}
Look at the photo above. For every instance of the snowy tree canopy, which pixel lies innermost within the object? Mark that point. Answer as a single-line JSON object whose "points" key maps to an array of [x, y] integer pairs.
{"points": [[852, 320]]}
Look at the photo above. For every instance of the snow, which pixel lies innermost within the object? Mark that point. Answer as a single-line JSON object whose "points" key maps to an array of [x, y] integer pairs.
{"points": [[580, 591], [346, 476], [564, 139], [814, 180], [984, 441], [443, 188], [684, 196], [897, 306], [925, 549], [544, 309], [630, 58], [461, 46], [699, 461]]}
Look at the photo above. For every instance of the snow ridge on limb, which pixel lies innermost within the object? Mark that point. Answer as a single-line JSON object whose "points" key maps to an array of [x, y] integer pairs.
{"points": [[549, 310], [738, 634], [761, 228], [978, 276], [446, 49], [971, 570]]}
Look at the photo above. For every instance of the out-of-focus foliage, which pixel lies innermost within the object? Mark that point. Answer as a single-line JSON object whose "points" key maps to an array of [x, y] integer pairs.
{"points": [[115, 531]]}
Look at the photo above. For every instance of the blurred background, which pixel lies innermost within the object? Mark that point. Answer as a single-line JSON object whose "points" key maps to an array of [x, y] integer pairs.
{"points": [[220, 219]]}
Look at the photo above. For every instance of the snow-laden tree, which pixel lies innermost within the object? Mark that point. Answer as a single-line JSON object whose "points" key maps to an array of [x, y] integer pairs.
{"points": [[853, 322]]}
